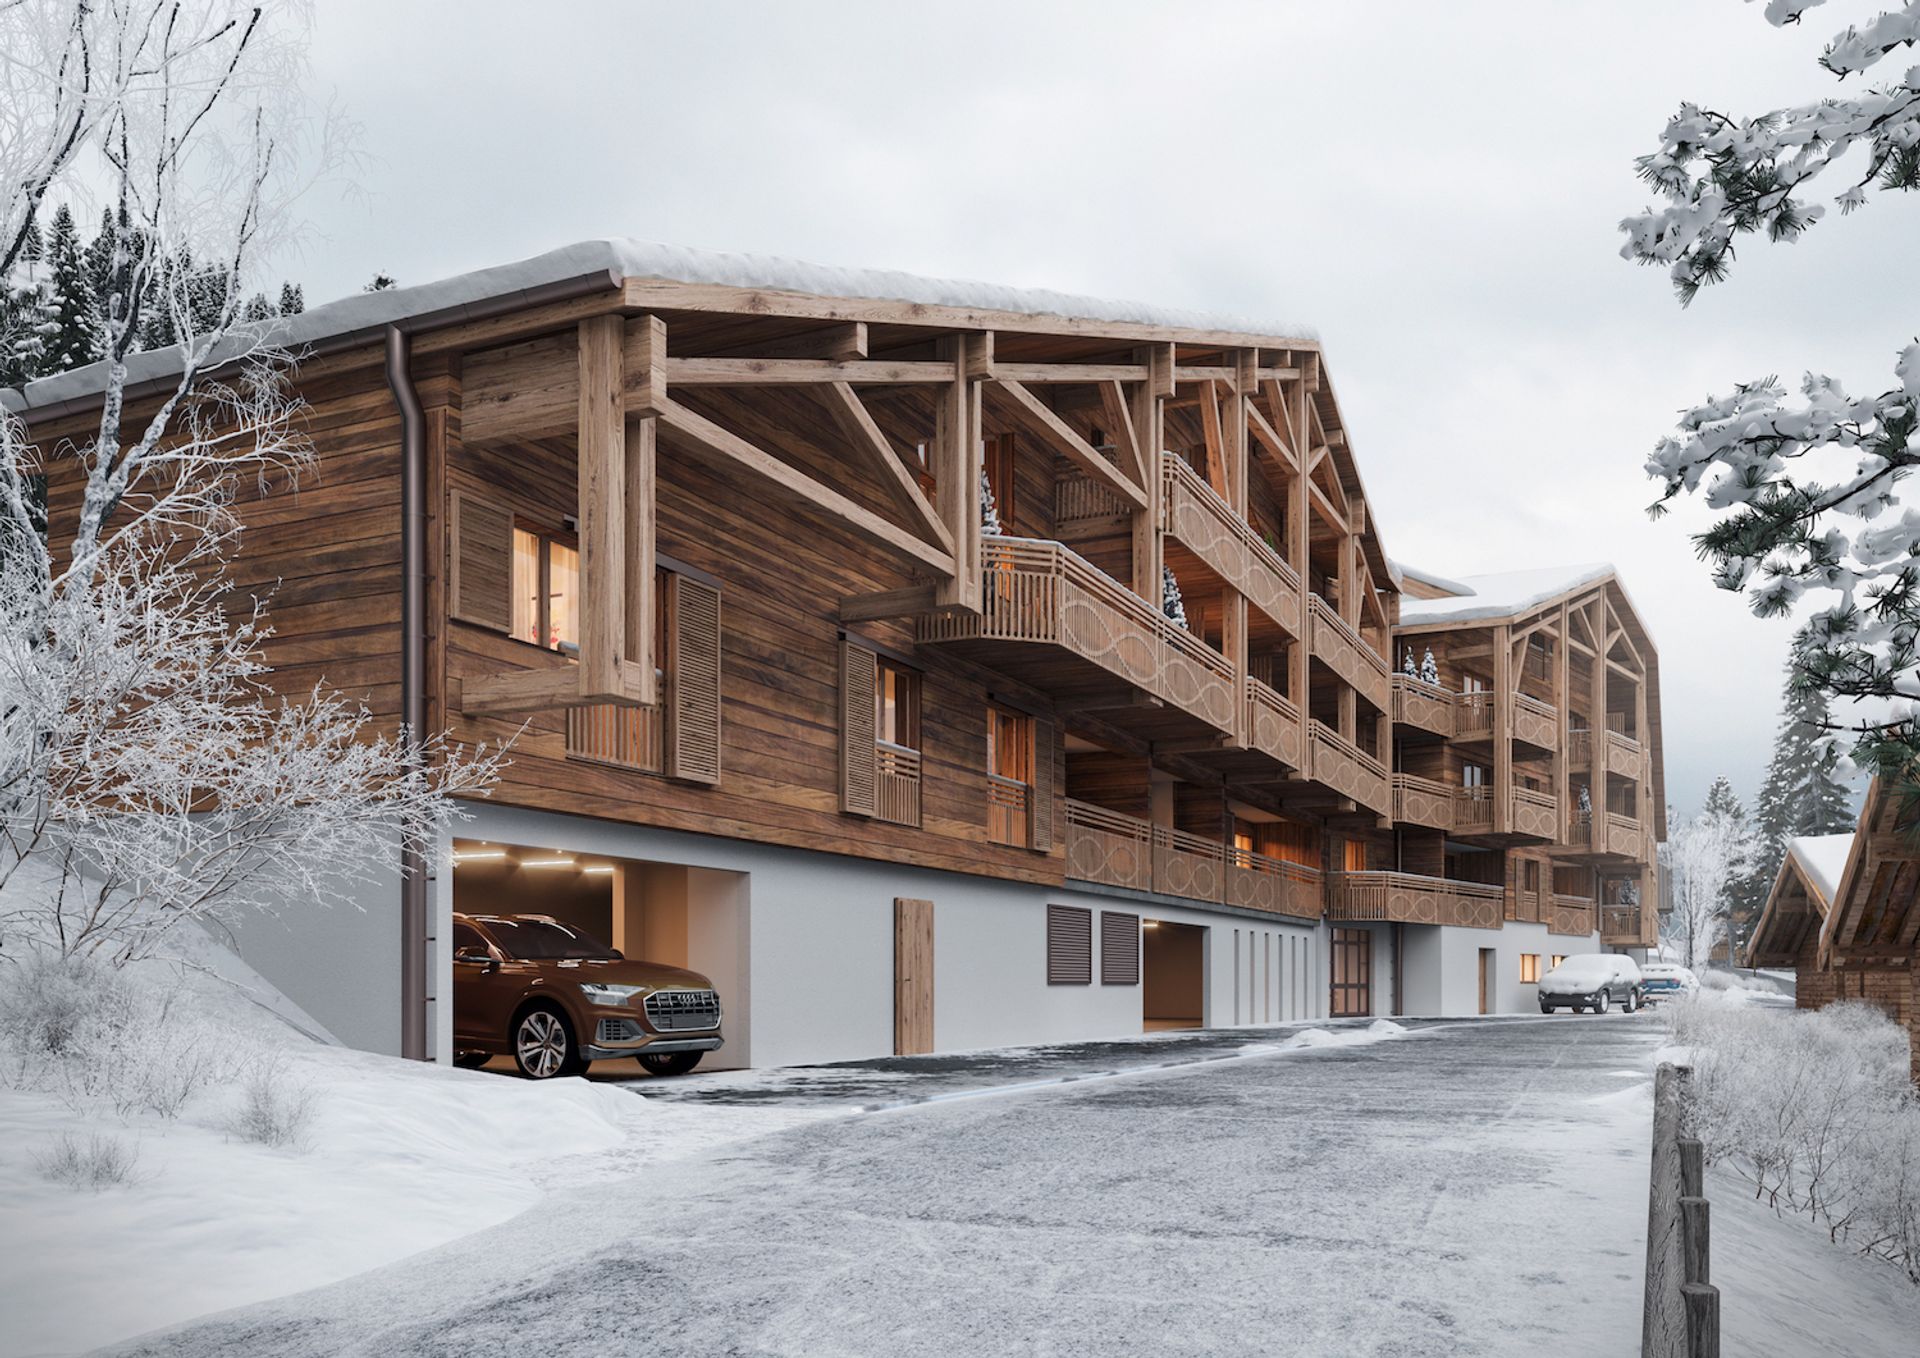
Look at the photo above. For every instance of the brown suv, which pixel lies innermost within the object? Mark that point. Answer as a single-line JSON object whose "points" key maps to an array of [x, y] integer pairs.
{"points": [[553, 998]]}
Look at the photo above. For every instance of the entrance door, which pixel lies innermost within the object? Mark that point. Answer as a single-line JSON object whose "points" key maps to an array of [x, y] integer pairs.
{"points": [[1486, 978], [912, 977], [1351, 995], [1174, 969]]}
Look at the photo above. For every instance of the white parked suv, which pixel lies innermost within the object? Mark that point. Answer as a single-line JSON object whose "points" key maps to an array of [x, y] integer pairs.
{"points": [[1592, 981]]}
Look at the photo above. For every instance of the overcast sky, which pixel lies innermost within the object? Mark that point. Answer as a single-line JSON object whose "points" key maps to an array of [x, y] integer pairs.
{"points": [[1432, 188]]}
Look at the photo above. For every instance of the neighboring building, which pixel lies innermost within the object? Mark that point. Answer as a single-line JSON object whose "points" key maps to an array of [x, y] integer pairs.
{"points": [[933, 665], [1844, 913]]}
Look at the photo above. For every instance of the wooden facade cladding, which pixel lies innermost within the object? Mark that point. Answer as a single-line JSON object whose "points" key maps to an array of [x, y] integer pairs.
{"points": [[1406, 898], [1107, 848]]}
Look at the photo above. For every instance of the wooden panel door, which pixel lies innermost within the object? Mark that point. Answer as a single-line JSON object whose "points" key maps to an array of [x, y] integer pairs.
{"points": [[1486, 976], [912, 977]]}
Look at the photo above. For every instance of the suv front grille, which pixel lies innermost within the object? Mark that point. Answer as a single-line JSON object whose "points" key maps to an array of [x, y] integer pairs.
{"points": [[674, 1011]]}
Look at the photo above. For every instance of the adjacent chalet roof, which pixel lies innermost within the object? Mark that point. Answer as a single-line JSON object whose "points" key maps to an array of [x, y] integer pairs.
{"points": [[1876, 904], [619, 259], [1475, 597], [1823, 860]]}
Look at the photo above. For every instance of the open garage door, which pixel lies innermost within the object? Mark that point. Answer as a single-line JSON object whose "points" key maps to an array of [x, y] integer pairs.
{"points": [[1174, 972]]}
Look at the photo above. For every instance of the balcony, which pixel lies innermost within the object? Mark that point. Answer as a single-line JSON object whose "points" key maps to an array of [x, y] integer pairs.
{"points": [[1580, 748], [1053, 619], [1615, 833], [1530, 814], [1422, 801], [1342, 649], [1535, 722], [1571, 915], [1473, 714], [1623, 835], [1405, 898], [1111, 849], [1620, 925], [1341, 765], [1207, 526], [1273, 725], [1623, 755], [1420, 704]]}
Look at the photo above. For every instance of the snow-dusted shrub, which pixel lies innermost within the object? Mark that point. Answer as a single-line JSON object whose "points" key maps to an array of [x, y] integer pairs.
{"points": [[275, 1110], [94, 1162], [1815, 1110]]}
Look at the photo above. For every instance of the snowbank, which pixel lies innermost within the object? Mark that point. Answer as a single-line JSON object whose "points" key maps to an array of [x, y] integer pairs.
{"points": [[395, 1157], [1380, 1030]]}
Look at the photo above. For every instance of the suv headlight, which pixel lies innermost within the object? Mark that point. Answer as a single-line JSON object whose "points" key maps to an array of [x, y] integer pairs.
{"points": [[602, 993]]}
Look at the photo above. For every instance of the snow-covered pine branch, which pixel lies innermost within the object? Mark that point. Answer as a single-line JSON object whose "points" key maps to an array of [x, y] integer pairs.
{"points": [[149, 773], [1806, 487]]}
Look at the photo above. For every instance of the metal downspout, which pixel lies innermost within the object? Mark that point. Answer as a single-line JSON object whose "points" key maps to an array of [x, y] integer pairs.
{"points": [[413, 694]]}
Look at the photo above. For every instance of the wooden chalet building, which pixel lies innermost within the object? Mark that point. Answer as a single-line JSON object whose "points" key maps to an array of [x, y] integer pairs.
{"points": [[828, 613], [1844, 913]]}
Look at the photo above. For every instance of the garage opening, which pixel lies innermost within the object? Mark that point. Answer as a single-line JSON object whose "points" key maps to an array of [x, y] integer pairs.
{"points": [[665, 915], [1173, 972]]}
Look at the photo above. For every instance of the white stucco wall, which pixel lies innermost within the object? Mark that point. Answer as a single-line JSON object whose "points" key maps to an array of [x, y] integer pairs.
{"points": [[1443, 967]]}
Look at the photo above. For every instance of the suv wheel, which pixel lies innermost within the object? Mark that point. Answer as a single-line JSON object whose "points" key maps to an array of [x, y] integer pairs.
{"points": [[543, 1046], [668, 1063], [1601, 1001]]}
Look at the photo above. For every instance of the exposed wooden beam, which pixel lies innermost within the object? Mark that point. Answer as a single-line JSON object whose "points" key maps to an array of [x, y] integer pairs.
{"points": [[703, 434], [1113, 405], [602, 480], [1215, 440], [642, 551], [1031, 413], [763, 372], [851, 414], [1041, 374], [1269, 436]]}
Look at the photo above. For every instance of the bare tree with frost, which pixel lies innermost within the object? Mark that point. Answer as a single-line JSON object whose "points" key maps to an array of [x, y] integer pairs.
{"points": [[149, 773], [1807, 485]]}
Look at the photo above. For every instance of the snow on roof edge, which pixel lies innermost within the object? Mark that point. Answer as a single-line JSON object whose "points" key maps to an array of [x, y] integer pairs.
{"points": [[1503, 594], [1823, 858], [1402, 571], [627, 258]]}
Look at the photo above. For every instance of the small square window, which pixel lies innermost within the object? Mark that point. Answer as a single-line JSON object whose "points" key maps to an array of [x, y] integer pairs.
{"points": [[1529, 968]]}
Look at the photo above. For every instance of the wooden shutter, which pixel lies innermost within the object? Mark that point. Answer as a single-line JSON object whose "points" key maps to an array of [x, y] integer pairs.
{"points": [[858, 674], [1069, 945], [1119, 949], [1041, 832], [693, 680], [480, 572]]}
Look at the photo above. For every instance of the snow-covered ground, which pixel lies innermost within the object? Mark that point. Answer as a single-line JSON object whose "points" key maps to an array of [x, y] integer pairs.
{"points": [[396, 1158]]}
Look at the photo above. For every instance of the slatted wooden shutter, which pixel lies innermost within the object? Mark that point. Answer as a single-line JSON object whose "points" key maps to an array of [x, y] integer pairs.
{"points": [[480, 584], [1119, 948], [693, 680], [1040, 835], [1069, 945], [858, 778]]}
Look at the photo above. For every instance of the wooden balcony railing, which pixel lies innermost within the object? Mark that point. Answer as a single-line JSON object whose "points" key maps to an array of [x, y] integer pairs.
{"points": [[1534, 813], [897, 784], [1571, 915], [1043, 592], [1113, 849], [1473, 714], [1620, 924], [1210, 529], [1623, 755], [1422, 801], [1623, 834], [1536, 722], [626, 737], [1344, 651], [1008, 811], [1406, 898], [1273, 725], [1418, 703], [1580, 748], [1580, 829], [1343, 766], [1473, 810]]}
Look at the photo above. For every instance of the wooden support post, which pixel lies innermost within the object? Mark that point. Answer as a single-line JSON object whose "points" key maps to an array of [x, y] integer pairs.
{"points": [[1702, 1302], [1299, 546], [956, 453], [642, 680], [1245, 381], [1695, 1239], [1149, 415], [1562, 693], [1503, 685], [1233, 643], [602, 506]]}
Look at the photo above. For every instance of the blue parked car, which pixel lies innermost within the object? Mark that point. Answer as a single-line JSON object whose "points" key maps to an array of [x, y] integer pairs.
{"points": [[1666, 981]]}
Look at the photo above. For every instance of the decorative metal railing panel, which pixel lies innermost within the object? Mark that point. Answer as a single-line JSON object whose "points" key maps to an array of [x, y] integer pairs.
{"points": [[1113, 849], [1536, 722], [1418, 703], [1345, 768], [1623, 755], [1571, 915], [1406, 898], [1273, 725], [1341, 649], [1623, 835], [1210, 529], [1422, 801], [1534, 813]]}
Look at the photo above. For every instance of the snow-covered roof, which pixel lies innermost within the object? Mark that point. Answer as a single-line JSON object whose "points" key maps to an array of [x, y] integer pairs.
{"points": [[622, 258], [1402, 573], [1823, 858], [1495, 596]]}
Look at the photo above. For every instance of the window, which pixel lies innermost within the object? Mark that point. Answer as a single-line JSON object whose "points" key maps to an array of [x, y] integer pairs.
{"points": [[1529, 968], [1558, 958], [896, 705], [1533, 875], [1475, 775], [1009, 776], [1352, 966], [1354, 855], [1069, 945], [997, 459], [546, 590], [879, 736]]}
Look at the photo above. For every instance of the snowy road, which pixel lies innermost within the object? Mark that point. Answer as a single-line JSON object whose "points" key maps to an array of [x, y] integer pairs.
{"points": [[1472, 1188]]}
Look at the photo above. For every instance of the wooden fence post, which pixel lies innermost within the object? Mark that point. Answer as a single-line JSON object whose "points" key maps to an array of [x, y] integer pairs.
{"points": [[1663, 1327]]}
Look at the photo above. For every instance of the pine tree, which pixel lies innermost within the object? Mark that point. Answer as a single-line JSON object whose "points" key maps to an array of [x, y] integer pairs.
{"points": [[32, 247], [989, 509], [1800, 796], [381, 282], [1721, 802], [67, 328], [1171, 603], [293, 299]]}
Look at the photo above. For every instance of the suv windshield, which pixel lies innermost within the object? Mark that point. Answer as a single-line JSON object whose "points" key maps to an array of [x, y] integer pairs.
{"points": [[544, 940]]}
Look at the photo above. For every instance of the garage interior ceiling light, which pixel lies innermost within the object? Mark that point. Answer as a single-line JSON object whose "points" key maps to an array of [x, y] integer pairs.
{"points": [[478, 855], [598, 868], [547, 863]]}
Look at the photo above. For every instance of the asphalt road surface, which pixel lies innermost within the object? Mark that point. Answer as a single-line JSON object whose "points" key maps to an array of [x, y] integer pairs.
{"points": [[1468, 1188]]}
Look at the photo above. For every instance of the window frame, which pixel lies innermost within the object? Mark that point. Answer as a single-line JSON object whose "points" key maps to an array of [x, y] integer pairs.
{"points": [[1019, 831], [1349, 946], [907, 682], [1529, 963], [546, 538]]}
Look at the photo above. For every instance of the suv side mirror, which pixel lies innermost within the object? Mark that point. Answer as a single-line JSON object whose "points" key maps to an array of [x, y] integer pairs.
{"points": [[477, 956]]}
